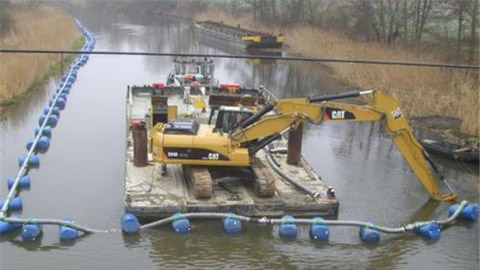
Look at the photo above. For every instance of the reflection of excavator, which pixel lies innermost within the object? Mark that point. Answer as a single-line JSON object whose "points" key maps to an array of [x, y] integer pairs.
{"points": [[238, 134]]}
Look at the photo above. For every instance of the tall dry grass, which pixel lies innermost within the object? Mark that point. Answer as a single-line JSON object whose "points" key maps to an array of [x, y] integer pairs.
{"points": [[33, 27], [421, 91]]}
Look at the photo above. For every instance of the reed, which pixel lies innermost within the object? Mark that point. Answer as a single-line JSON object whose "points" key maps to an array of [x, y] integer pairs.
{"points": [[421, 91], [33, 26]]}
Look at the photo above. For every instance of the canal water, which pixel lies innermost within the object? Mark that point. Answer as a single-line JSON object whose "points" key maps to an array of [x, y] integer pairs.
{"points": [[82, 174]]}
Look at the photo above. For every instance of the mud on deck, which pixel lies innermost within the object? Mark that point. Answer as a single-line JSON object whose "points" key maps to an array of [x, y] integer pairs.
{"points": [[149, 194]]}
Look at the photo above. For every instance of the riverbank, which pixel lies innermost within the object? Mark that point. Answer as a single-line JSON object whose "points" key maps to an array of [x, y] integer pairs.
{"points": [[421, 91], [34, 26]]}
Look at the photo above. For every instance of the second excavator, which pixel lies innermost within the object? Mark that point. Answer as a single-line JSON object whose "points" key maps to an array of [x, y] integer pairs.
{"points": [[208, 150]]}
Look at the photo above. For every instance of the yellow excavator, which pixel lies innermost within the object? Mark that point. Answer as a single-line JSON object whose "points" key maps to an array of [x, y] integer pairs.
{"points": [[238, 133]]}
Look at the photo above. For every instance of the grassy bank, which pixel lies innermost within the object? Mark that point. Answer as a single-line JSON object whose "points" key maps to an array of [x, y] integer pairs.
{"points": [[34, 27], [421, 91]]}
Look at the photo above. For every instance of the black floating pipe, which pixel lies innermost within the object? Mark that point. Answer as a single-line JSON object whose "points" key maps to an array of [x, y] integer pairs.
{"points": [[252, 119], [320, 98], [263, 142]]}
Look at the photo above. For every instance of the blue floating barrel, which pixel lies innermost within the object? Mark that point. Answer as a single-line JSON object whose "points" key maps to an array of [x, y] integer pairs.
{"points": [[6, 227], [55, 110], [60, 103], [47, 130], [51, 121], [180, 224], [68, 233], [288, 228], [15, 204], [43, 144], [368, 234], [130, 223], [318, 229], [29, 144], [24, 182], [232, 225], [469, 212], [33, 161], [430, 230], [31, 231]]}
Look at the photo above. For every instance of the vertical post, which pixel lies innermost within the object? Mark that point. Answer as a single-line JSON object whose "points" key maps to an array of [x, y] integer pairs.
{"points": [[140, 141], [295, 145]]}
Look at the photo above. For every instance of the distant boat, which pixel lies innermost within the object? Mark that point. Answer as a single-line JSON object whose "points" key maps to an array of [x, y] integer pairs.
{"points": [[451, 150], [246, 39]]}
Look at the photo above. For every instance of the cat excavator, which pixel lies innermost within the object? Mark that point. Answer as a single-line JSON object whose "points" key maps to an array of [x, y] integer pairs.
{"points": [[204, 150]]}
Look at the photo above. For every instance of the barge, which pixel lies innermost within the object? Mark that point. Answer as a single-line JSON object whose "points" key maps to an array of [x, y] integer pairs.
{"points": [[243, 38], [154, 190]]}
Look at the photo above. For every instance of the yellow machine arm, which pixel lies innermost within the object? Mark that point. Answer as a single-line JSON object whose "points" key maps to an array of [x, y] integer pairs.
{"points": [[290, 112]]}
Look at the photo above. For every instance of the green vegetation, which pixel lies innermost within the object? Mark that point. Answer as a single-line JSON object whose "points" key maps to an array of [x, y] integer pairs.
{"points": [[55, 70]]}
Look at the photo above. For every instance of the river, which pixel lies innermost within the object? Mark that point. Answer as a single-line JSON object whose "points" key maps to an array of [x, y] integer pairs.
{"points": [[82, 175]]}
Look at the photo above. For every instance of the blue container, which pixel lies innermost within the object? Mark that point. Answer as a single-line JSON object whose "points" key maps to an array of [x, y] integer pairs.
{"points": [[33, 161], [67, 233], [181, 224], [469, 212], [61, 102], [318, 230], [232, 225], [15, 204], [64, 96], [31, 231], [55, 111], [130, 223], [29, 144], [51, 121], [47, 130], [430, 230], [368, 234], [43, 144], [6, 227], [288, 228], [24, 182]]}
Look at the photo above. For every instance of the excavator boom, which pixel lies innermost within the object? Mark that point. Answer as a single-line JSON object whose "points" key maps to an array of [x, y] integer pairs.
{"points": [[290, 112]]}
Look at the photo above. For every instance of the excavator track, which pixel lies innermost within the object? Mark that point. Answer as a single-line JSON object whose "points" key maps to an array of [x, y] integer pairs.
{"points": [[264, 183], [200, 181]]}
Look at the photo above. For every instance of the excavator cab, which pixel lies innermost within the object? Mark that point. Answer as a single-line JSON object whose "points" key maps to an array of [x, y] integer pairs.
{"points": [[227, 118]]}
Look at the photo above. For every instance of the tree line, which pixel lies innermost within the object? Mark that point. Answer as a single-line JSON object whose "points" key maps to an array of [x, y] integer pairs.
{"points": [[449, 26]]}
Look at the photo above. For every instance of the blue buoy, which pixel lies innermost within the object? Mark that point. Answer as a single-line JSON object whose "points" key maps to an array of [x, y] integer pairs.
{"points": [[43, 144], [318, 229], [369, 235], [51, 121], [15, 204], [429, 230], [33, 161], [29, 144], [469, 212], [55, 111], [31, 231], [47, 131], [64, 96], [68, 233], [130, 223], [232, 225], [6, 227], [288, 228], [60, 103], [181, 224], [24, 182]]}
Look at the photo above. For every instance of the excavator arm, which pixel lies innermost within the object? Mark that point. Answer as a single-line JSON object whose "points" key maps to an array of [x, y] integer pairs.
{"points": [[316, 109]]}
